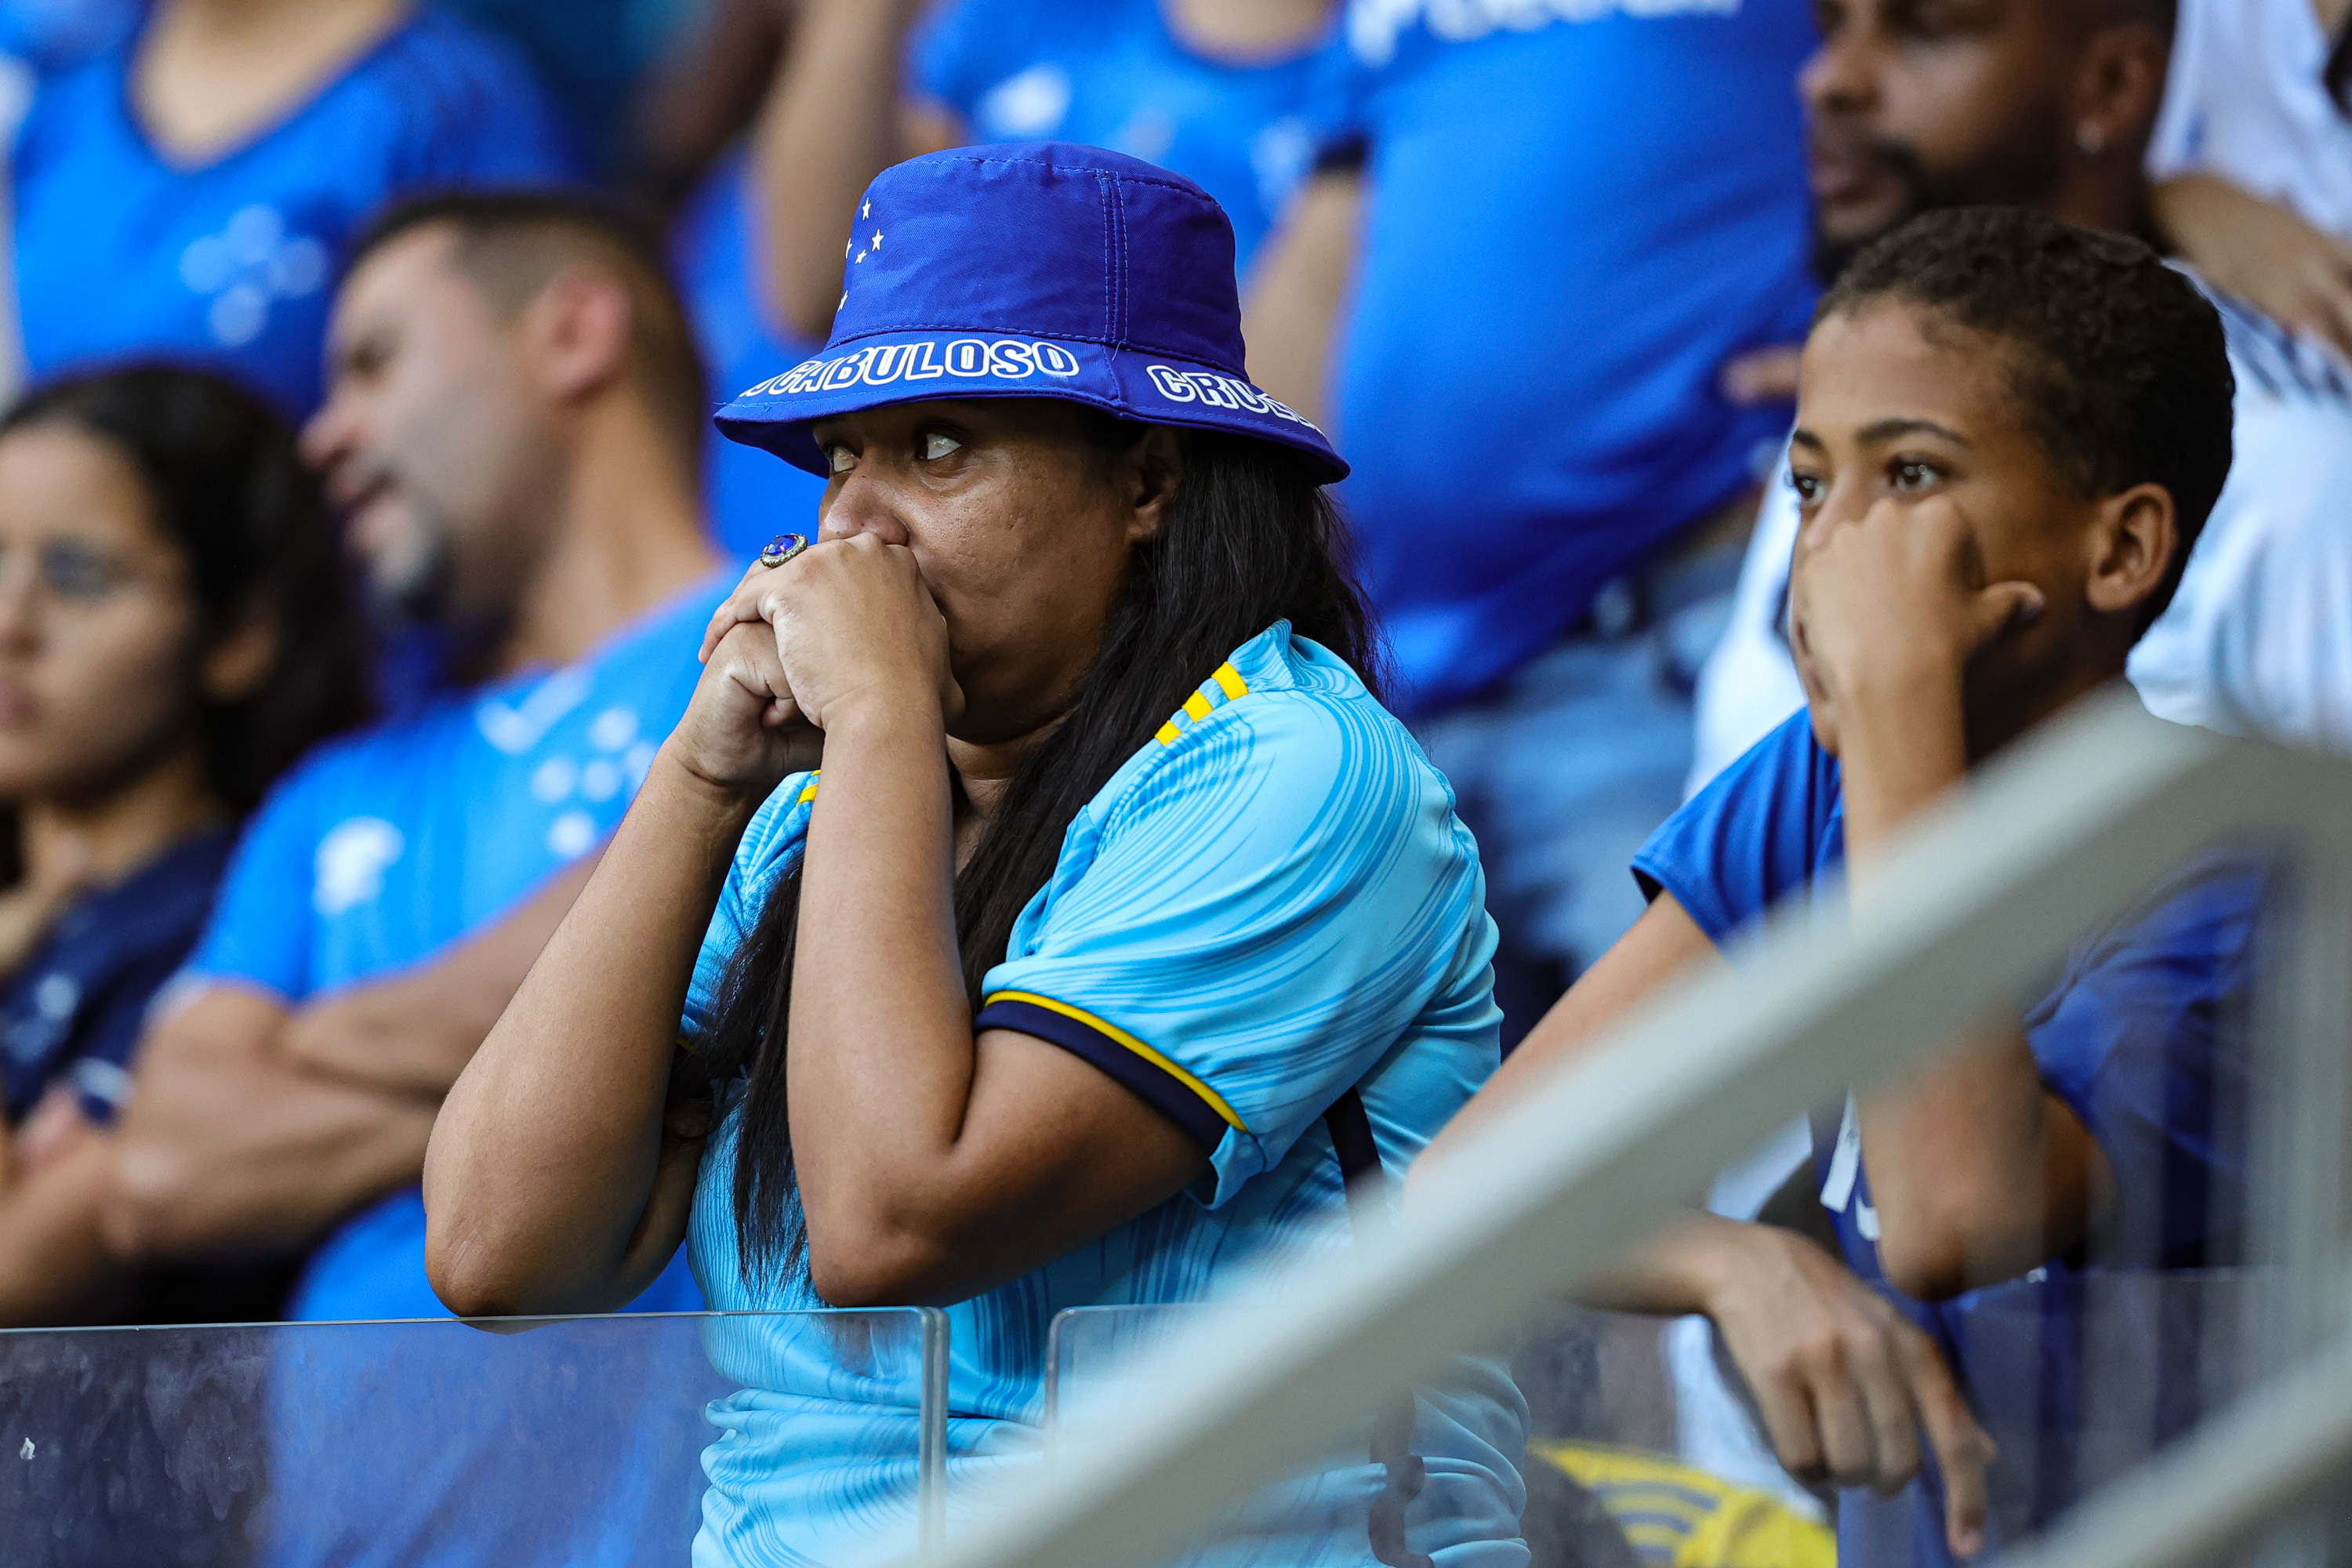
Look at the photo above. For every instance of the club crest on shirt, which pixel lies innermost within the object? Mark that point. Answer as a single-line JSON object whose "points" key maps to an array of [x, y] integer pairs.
{"points": [[250, 265], [349, 867]]}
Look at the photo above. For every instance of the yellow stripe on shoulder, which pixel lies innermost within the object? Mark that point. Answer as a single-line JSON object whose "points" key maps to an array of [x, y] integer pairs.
{"points": [[1197, 707], [1110, 1031], [808, 793]]}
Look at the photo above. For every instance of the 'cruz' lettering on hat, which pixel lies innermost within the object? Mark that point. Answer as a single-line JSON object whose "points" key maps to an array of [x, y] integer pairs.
{"points": [[1216, 391], [968, 358]]}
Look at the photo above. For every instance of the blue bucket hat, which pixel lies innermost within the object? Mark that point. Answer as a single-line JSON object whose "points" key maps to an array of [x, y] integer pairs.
{"points": [[1032, 270]]}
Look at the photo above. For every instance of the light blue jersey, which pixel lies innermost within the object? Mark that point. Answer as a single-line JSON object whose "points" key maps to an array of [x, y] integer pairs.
{"points": [[1270, 903], [377, 853]]}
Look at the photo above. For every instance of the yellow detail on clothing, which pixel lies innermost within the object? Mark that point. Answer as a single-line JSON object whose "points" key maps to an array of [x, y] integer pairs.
{"points": [[1673, 1514], [1112, 1032], [686, 1045], [807, 794], [1229, 684]]}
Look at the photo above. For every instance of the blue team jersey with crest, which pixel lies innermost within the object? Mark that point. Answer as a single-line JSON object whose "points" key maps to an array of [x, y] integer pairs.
{"points": [[231, 265], [2143, 1037], [379, 852], [1270, 903], [1112, 73], [1578, 213]]}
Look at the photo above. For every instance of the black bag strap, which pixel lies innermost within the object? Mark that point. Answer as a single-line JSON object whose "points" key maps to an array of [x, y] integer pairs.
{"points": [[1359, 1158], [1367, 1183]]}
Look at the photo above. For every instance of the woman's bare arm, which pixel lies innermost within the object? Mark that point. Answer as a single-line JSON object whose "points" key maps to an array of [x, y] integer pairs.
{"points": [[548, 1185], [55, 1266], [834, 119], [1297, 290]]}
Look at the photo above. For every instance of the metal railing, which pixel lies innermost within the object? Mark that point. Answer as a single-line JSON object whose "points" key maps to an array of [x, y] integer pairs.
{"points": [[2060, 836]]}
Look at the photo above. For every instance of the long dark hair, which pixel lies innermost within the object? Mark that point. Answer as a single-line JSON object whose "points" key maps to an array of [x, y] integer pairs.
{"points": [[2338, 72], [1249, 539], [227, 481]]}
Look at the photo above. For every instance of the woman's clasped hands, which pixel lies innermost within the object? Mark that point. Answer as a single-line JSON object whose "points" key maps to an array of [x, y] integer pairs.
{"points": [[845, 633]]}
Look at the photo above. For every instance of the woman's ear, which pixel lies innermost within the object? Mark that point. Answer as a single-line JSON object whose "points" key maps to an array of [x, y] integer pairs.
{"points": [[2132, 549], [1157, 469], [240, 659]]}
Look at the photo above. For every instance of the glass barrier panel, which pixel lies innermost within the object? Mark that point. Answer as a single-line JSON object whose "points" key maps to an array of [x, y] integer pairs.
{"points": [[2102, 1306], [563, 1442]]}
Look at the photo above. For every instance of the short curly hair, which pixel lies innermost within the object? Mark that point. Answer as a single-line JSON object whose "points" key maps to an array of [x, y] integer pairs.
{"points": [[2123, 370]]}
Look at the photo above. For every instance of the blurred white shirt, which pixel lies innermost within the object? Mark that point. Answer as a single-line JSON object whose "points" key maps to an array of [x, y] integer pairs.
{"points": [[2258, 640], [2243, 100]]}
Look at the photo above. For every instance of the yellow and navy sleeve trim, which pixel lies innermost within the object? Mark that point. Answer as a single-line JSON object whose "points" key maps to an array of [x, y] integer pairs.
{"points": [[1159, 1083], [1226, 684]]}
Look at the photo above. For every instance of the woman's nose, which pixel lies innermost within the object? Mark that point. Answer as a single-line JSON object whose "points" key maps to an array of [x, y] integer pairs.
{"points": [[19, 619], [862, 505]]}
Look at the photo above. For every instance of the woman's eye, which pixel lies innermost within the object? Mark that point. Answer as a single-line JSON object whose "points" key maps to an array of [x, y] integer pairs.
{"points": [[934, 446], [1909, 474], [1809, 488], [839, 458]]}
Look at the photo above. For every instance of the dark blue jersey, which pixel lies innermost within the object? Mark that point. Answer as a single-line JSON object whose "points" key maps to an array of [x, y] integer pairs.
{"points": [[2141, 1035], [72, 1011]]}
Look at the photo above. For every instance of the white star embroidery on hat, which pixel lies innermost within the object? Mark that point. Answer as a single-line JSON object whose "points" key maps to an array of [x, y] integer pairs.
{"points": [[867, 210], [861, 256], [845, 299], [851, 245], [877, 239]]}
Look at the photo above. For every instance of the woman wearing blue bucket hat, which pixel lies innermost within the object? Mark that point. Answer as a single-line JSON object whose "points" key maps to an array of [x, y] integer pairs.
{"points": [[1121, 920]]}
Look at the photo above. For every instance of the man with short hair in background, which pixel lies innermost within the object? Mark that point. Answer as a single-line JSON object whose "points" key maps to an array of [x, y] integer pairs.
{"points": [[2050, 105], [513, 429]]}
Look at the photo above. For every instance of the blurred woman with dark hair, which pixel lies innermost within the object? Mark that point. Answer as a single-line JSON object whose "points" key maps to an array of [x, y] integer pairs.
{"points": [[176, 629]]}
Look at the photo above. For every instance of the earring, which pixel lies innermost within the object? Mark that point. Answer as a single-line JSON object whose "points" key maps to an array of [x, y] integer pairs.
{"points": [[2091, 139]]}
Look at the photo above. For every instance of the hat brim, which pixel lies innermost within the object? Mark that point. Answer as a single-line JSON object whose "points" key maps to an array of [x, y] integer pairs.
{"points": [[918, 367]]}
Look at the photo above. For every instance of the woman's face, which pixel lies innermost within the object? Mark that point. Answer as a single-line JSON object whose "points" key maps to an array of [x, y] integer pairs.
{"points": [[1022, 529], [99, 632]]}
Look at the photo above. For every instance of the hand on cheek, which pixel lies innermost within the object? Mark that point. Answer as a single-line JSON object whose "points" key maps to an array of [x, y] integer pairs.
{"points": [[1889, 603]]}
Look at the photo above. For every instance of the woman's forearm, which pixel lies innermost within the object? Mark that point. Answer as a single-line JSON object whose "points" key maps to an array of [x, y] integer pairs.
{"points": [[548, 1153], [54, 1261], [882, 1056], [831, 125]]}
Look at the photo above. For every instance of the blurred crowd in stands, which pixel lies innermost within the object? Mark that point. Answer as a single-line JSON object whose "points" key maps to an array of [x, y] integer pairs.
{"points": [[359, 509]]}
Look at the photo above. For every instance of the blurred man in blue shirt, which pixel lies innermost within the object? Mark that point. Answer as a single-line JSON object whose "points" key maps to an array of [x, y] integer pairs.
{"points": [[516, 418], [188, 190], [1540, 235]]}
